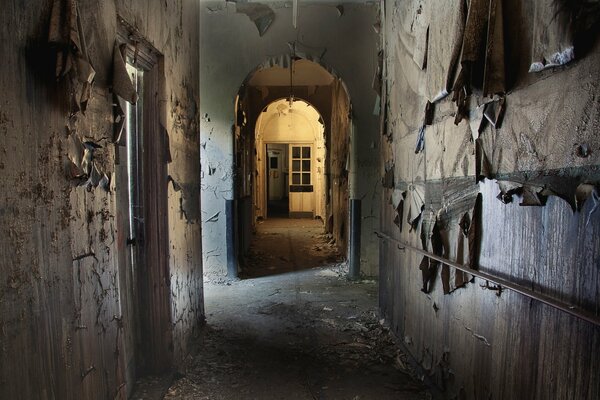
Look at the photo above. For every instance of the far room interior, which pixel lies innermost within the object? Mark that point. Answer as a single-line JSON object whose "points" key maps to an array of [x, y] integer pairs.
{"points": [[292, 140]]}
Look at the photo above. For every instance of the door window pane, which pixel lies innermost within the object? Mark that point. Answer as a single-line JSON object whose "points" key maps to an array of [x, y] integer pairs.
{"points": [[273, 162], [301, 165], [306, 179], [295, 152]]}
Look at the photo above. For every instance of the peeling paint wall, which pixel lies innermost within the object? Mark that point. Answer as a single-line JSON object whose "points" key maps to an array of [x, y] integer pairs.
{"points": [[172, 28], [473, 340], [231, 48], [66, 323]]}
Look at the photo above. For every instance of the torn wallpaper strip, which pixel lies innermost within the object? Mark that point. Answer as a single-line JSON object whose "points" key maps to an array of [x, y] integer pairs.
{"points": [[552, 35], [397, 201], [122, 85], [81, 167], [415, 200], [427, 120], [494, 70], [482, 59], [530, 194], [119, 120], [476, 122], [431, 241], [75, 153], [444, 47], [123, 91], [421, 32], [460, 233], [494, 111], [66, 36]]}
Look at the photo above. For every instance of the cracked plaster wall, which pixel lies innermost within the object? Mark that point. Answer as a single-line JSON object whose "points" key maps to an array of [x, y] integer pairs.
{"points": [[231, 48], [66, 325]]}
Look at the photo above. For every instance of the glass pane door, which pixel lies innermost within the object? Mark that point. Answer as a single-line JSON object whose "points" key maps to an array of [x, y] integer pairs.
{"points": [[301, 169]]}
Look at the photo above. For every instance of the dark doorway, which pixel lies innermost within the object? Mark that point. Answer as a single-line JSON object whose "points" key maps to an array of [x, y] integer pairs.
{"points": [[277, 181]]}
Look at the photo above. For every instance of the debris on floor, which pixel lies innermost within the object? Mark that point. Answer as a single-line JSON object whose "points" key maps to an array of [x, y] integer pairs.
{"points": [[283, 245], [310, 334]]}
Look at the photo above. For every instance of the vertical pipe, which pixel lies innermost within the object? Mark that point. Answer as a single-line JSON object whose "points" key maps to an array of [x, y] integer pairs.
{"points": [[352, 162], [355, 228], [232, 272]]}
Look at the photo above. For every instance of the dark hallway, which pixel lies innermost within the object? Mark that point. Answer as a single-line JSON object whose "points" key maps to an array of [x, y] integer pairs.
{"points": [[300, 199]]}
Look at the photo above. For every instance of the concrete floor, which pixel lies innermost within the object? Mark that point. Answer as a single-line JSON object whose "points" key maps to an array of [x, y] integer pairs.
{"points": [[286, 244], [306, 334]]}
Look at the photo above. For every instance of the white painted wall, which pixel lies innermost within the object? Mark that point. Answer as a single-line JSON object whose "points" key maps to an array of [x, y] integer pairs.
{"points": [[230, 48]]}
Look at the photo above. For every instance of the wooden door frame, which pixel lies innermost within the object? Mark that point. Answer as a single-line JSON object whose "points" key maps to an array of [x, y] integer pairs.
{"points": [[152, 296]]}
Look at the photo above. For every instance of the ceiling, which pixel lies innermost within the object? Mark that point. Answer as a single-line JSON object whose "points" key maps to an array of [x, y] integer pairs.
{"points": [[306, 73]]}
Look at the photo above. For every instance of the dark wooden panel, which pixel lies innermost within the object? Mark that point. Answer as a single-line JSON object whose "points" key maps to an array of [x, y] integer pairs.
{"points": [[301, 188], [509, 346]]}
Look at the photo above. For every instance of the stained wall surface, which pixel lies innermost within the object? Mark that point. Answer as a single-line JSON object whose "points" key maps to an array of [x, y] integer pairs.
{"points": [[472, 340], [231, 48], [67, 329]]}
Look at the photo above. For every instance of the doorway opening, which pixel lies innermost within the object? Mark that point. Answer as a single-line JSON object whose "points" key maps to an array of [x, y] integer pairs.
{"points": [[290, 140], [145, 292], [278, 191], [292, 145]]}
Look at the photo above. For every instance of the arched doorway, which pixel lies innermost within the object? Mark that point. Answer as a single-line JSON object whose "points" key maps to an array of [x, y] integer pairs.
{"points": [[291, 159], [273, 101]]}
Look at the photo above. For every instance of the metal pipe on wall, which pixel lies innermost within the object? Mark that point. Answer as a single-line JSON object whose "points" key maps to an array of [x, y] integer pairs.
{"points": [[355, 230], [351, 163], [559, 305], [232, 272]]}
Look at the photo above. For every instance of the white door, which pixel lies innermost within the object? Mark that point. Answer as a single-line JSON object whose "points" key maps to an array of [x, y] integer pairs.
{"points": [[302, 194]]}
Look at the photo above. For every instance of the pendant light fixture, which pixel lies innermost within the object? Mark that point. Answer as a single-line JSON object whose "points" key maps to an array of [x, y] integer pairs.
{"points": [[295, 13], [292, 59]]}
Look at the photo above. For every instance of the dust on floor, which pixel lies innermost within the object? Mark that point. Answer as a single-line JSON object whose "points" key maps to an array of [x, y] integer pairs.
{"points": [[303, 335], [284, 245]]}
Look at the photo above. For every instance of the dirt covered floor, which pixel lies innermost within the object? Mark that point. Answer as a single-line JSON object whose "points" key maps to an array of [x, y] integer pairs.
{"points": [[305, 334], [285, 245]]}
